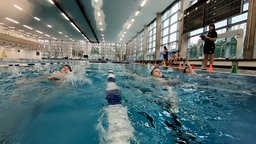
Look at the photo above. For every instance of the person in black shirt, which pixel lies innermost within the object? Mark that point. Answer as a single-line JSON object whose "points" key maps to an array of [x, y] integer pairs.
{"points": [[209, 45], [165, 55]]}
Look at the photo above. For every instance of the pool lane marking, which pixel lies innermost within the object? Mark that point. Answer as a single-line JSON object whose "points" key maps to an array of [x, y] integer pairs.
{"points": [[119, 128], [34, 64]]}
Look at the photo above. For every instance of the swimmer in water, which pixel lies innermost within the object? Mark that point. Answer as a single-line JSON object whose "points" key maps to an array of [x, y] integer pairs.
{"points": [[188, 69], [156, 72], [60, 75]]}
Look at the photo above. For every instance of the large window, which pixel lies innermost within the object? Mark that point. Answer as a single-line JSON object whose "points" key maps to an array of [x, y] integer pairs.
{"points": [[230, 24], [151, 41], [140, 52], [170, 29]]}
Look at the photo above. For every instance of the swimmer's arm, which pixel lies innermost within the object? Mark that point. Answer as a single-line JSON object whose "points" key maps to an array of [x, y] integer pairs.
{"points": [[55, 76], [188, 64]]}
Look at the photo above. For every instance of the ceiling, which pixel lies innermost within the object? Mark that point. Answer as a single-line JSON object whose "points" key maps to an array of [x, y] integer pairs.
{"points": [[115, 16]]}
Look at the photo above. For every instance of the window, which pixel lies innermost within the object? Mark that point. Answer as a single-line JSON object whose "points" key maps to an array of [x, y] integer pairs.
{"points": [[174, 18], [245, 7], [195, 32], [174, 27], [151, 39], [170, 30], [239, 18], [166, 23], [173, 37], [230, 24], [175, 8], [220, 31], [165, 32], [165, 40], [221, 24]]}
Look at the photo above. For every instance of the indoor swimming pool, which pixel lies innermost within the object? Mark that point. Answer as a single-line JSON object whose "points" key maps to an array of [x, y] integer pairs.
{"points": [[209, 108]]}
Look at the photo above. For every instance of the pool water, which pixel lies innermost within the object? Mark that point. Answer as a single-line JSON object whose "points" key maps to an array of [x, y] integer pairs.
{"points": [[208, 108]]}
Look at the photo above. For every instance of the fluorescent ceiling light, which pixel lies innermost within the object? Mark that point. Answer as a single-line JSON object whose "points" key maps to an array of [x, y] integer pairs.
{"points": [[98, 13], [128, 26], [1, 23], [75, 27], [64, 16], [28, 27], [39, 32], [18, 7], [14, 21], [47, 35], [49, 26], [143, 3], [137, 12], [51, 1], [36, 18], [132, 20], [60, 32]]}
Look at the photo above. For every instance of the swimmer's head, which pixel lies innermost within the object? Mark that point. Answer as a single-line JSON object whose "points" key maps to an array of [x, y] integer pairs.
{"points": [[187, 70], [156, 72], [66, 69]]}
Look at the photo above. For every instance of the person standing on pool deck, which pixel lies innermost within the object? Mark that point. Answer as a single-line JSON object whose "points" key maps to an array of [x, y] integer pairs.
{"points": [[165, 55], [209, 45]]}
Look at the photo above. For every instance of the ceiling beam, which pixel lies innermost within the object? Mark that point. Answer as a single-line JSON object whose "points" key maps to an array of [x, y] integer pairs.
{"points": [[63, 11], [81, 7]]}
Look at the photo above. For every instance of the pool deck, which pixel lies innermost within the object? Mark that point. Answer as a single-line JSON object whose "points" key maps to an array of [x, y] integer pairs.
{"points": [[240, 71], [228, 70], [243, 67]]}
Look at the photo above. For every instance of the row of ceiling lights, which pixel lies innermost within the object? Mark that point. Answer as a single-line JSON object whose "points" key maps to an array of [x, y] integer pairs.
{"points": [[28, 27], [129, 23], [99, 17], [38, 19], [64, 15]]}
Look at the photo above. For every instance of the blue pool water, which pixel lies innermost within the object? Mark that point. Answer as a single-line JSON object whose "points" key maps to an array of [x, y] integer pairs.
{"points": [[209, 108]]}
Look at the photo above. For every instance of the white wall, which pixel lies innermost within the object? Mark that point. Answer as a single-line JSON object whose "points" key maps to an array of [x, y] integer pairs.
{"points": [[12, 53]]}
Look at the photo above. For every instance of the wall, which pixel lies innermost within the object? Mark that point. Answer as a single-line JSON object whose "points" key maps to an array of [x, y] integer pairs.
{"points": [[12, 53]]}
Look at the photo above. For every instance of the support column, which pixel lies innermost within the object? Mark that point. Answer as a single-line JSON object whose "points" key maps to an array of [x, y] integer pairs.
{"points": [[183, 38], [137, 46], [250, 40], [158, 35], [145, 44]]}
